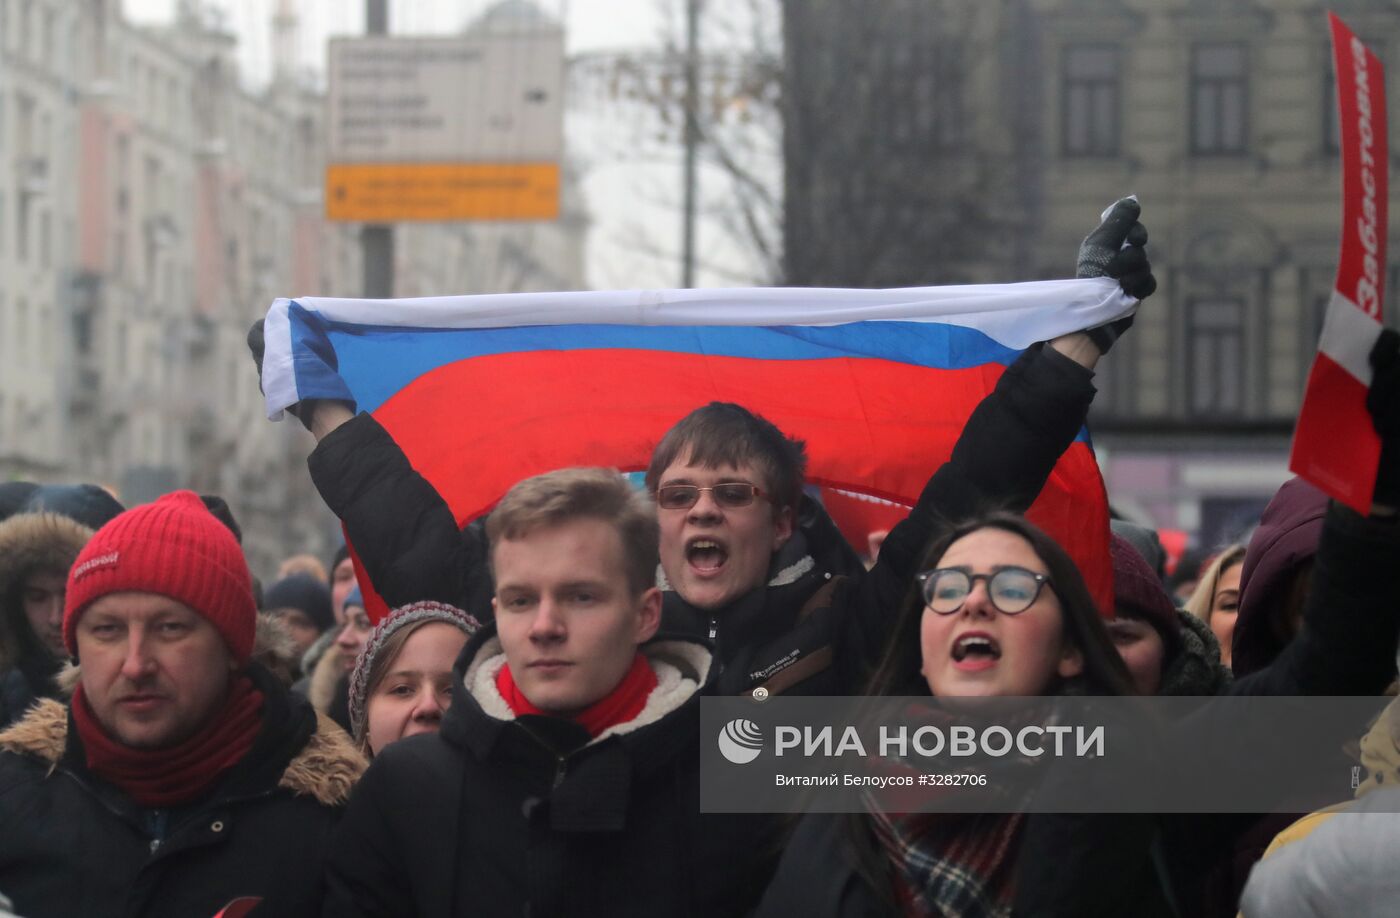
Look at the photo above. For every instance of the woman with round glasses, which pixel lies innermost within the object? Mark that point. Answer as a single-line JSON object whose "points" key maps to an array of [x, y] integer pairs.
{"points": [[1000, 610]]}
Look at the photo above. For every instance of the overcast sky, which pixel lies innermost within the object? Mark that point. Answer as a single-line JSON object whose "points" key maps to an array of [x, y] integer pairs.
{"points": [[635, 232], [592, 24]]}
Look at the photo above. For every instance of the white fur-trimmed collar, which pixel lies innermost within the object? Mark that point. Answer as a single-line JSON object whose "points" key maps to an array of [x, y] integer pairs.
{"points": [[681, 668]]}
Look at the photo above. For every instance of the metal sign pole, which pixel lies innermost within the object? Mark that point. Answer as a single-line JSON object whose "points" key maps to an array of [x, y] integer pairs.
{"points": [[377, 239]]}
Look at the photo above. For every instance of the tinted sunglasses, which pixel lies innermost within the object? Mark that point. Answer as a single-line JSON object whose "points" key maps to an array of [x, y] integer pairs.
{"points": [[729, 495]]}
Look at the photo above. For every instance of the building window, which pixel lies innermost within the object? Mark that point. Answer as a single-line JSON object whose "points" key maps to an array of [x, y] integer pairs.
{"points": [[1092, 79], [22, 226], [1331, 118], [1219, 91], [1215, 356], [45, 240], [119, 347], [22, 46], [21, 332], [1315, 323]]}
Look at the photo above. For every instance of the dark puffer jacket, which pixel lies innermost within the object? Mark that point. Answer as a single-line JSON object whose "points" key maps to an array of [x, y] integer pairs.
{"points": [[498, 815], [75, 845], [821, 622]]}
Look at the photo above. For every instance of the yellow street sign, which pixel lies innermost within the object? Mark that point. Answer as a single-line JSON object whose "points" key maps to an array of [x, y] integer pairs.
{"points": [[390, 192]]}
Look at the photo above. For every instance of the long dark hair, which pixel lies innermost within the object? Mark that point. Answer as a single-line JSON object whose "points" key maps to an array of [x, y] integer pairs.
{"points": [[899, 672], [28, 653], [1104, 671]]}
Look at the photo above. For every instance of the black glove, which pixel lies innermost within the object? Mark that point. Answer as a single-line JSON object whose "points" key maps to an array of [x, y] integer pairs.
{"points": [[1383, 401], [1102, 254], [258, 346]]}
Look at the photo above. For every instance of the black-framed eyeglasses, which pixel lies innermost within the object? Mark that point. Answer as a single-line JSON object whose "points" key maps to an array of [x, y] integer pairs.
{"points": [[1012, 590], [729, 494]]}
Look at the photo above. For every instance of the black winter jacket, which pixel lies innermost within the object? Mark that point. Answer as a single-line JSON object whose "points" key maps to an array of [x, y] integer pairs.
{"points": [[497, 815], [820, 625], [72, 844], [19, 692], [1351, 623], [1074, 866]]}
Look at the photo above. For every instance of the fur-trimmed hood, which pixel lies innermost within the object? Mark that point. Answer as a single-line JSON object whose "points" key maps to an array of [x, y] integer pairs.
{"points": [[1195, 669], [32, 542], [38, 541], [326, 768]]}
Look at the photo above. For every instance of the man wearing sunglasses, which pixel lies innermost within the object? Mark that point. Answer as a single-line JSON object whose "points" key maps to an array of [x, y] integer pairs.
{"points": [[747, 560]]}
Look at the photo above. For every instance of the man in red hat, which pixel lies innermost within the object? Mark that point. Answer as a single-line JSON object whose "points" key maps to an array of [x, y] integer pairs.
{"points": [[181, 776]]}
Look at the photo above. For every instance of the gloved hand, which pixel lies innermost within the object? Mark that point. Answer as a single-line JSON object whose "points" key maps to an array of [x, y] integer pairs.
{"points": [[1383, 401], [1103, 254], [257, 344]]}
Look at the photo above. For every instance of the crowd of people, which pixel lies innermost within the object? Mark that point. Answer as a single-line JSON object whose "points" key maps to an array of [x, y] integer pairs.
{"points": [[520, 735]]}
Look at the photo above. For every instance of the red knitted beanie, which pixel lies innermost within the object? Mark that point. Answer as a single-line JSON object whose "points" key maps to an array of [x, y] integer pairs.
{"points": [[174, 547]]}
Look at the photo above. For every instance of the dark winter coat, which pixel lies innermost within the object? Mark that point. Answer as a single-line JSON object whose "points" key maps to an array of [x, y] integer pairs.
{"points": [[1287, 538], [1351, 617], [74, 845], [1079, 866], [822, 621], [30, 542], [1351, 623], [497, 815]]}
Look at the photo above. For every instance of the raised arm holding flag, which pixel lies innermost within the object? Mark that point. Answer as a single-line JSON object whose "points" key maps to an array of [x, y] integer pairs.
{"points": [[763, 574]]}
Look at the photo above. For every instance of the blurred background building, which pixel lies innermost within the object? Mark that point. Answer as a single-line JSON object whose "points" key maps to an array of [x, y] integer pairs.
{"points": [[152, 205], [939, 142], [151, 208]]}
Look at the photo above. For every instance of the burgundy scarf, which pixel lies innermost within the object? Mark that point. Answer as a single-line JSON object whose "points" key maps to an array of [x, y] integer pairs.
{"points": [[617, 707], [169, 777]]}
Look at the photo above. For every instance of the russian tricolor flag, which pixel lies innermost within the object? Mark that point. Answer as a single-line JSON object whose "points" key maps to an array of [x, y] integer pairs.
{"points": [[482, 391]]}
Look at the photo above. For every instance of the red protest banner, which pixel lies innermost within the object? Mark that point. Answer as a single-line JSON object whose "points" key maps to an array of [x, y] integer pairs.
{"points": [[1335, 445]]}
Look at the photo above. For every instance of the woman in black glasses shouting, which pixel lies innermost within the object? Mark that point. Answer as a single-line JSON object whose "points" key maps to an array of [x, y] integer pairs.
{"points": [[1000, 610]]}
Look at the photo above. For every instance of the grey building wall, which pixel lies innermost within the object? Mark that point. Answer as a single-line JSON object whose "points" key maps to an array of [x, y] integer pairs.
{"points": [[1218, 115]]}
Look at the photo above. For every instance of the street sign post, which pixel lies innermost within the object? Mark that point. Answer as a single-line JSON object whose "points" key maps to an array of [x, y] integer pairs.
{"points": [[459, 128]]}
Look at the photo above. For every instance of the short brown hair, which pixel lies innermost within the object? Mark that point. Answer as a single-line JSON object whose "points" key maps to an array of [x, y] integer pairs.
{"points": [[722, 433], [583, 493]]}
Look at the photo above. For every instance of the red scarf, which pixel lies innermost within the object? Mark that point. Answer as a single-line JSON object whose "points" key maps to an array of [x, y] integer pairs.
{"points": [[168, 777], [617, 707]]}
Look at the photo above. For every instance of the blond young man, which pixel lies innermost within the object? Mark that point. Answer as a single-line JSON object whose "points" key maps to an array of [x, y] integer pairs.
{"points": [[564, 779]]}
